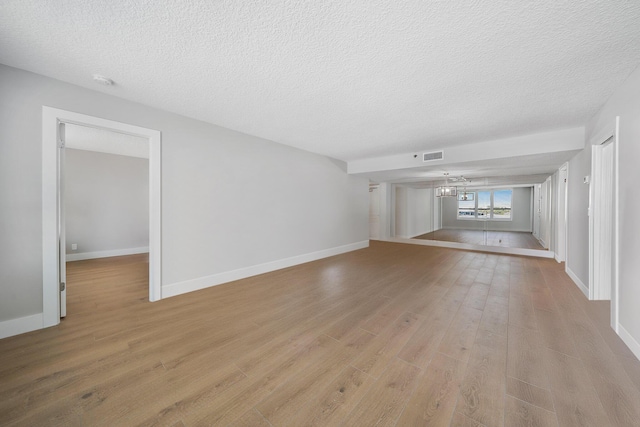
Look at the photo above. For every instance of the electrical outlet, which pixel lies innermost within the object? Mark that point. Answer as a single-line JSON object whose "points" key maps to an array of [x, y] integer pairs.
{"points": [[74, 246]]}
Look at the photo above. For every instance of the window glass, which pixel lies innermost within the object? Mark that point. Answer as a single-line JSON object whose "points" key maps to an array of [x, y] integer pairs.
{"points": [[488, 204], [502, 204], [484, 204], [466, 209]]}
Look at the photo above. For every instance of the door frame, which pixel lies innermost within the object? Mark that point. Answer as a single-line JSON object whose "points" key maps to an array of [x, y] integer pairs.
{"points": [[561, 225], [610, 133], [51, 181], [374, 217]]}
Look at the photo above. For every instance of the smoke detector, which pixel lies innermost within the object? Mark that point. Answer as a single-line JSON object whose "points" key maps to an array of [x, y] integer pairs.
{"points": [[102, 80]]}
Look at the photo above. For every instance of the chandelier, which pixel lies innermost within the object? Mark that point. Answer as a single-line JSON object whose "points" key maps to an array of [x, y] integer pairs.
{"points": [[448, 190]]}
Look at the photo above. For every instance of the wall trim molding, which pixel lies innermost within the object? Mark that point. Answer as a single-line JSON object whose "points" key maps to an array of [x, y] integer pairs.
{"points": [[629, 340], [21, 325], [577, 281], [105, 254], [191, 285]]}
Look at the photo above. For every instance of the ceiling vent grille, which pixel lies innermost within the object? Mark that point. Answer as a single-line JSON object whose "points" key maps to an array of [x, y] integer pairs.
{"points": [[434, 155]]}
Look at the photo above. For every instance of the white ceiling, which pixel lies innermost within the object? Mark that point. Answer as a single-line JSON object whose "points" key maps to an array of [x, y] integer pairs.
{"points": [[347, 79]]}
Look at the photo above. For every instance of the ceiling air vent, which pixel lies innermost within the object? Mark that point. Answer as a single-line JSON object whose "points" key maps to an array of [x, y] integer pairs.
{"points": [[434, 155]]}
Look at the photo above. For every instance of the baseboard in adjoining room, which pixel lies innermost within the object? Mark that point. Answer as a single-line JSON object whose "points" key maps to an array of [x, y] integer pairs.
{"points": [[578, 282], [21, 325], [179, 288], [106, 254], [517, 230], [542, 243], [416, 235], [629, 340], [471, 247]]}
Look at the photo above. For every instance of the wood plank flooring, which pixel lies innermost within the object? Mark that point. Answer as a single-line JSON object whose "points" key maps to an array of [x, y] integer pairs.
{"points": [[393, 335]]}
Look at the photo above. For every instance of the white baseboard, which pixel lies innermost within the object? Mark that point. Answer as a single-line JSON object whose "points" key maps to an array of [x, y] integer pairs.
{"points": [[419, 234], [480, 248], [106, 254], [174, 289], [557, 258], [629, 340], [9, 328], [515, 230], [578, 282]]}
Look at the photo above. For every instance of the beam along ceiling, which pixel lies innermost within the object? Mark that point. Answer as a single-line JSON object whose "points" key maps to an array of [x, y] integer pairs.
{"points": [[528, 169], [347, 79]]}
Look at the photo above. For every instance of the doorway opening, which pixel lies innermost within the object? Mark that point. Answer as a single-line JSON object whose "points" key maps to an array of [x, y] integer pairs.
{"points": [[53, 170], [104, 196]]}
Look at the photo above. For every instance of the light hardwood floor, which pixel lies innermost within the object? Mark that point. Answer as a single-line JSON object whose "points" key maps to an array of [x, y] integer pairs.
{"points": [[394, 334]]}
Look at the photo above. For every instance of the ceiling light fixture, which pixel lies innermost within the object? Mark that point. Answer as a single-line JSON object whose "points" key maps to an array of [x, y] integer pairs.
{"points": [[446, 190], [463, 195], [102, 80]]}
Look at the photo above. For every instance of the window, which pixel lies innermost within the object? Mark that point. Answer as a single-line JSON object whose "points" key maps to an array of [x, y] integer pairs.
{"points": [[502, 204], [486, 204], [466, 208]]}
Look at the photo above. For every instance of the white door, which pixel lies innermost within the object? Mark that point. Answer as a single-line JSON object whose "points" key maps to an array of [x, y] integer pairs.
{"points": [[62, 245]]}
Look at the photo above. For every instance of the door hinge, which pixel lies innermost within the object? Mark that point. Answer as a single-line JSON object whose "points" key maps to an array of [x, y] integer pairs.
{"points": [[63, 286]]}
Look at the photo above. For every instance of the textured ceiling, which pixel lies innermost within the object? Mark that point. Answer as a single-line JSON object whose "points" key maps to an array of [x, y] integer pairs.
{"points": [[348, 79]]}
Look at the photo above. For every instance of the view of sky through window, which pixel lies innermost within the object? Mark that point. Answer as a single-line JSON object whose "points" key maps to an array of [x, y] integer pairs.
{"points": [[489, 204]]}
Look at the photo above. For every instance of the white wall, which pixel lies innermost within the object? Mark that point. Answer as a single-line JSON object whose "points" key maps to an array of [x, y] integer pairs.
{"points": [[521, 214], [437, 213], [374, 213], [537, 189], [414, 211], [577, 264], [545, 214], [230, 201], [422, 220], [106, 203], [625, 102], [386, 213], [402, 211]]}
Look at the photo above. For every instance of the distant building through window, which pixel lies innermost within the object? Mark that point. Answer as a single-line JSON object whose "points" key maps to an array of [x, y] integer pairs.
{"points": [[486, 205]]}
